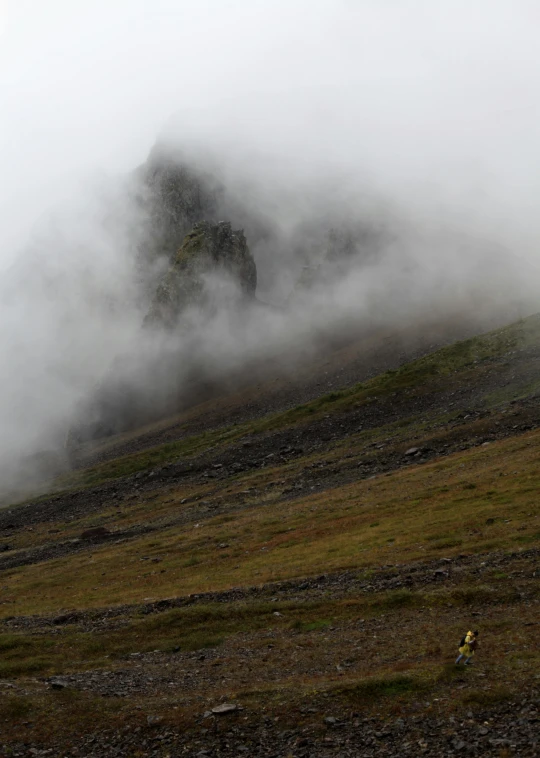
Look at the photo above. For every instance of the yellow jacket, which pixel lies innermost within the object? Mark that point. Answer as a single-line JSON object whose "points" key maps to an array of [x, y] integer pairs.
{"points": [[466, 649]]}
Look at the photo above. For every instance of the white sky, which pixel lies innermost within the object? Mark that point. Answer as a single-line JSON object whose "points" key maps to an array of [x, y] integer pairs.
{"points": [[436, 99]]}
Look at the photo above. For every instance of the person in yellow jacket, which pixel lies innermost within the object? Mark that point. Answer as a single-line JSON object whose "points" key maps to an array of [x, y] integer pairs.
{"points": [[467, 647]]}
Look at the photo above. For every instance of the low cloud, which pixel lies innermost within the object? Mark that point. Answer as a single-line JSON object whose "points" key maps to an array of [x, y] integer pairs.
{"points": [[408, 129]]}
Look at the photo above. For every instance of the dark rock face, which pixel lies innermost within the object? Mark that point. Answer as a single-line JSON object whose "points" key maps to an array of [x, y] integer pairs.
{"points": [[209, 249], [175, 198]]}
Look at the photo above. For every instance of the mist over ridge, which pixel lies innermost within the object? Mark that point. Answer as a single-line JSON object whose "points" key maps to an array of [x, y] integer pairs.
{"points": [[366, 146]]}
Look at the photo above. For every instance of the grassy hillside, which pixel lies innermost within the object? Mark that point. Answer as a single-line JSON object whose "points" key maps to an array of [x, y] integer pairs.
{"points": [[500, 358], [322, 560]]}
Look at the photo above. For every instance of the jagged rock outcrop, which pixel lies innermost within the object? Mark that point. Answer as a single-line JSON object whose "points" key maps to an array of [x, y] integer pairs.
{"points": [[175, 196], [209, 250]]}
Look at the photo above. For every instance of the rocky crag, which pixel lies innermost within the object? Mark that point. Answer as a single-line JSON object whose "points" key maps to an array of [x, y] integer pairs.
{"points": [[208, 250], [173, 197]]}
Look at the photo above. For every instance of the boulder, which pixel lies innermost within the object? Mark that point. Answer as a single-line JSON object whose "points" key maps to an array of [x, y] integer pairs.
{"points": [[209, 250]]}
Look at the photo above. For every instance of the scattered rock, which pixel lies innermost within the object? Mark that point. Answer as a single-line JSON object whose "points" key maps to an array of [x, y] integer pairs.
{"points": [[221, 710], [412, 451], [440, 574]]}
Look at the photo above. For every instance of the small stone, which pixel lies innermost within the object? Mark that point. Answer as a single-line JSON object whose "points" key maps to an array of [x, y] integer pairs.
{"points": [[58, 684], [412, 451], [330, 720], [220, 710]]}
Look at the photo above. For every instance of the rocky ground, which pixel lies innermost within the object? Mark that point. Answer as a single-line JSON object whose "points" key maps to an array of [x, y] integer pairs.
{"points": [[506, 730], [339, 365], [442, 572], [470, 427], [315, 722], [355, 662]]}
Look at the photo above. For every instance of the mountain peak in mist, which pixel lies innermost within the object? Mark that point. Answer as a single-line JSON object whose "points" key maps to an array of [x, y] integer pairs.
{"points": [[175, 195]]}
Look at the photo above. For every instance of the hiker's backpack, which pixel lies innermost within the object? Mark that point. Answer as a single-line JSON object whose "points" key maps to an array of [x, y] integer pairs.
{"points": [[463, 641]]}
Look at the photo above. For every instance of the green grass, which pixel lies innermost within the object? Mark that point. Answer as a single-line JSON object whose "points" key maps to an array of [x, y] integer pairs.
{"points": [[23, 655], [381, 687], [400, 598], [208, 625], [414, 513], [422, 373], [148, 459], [185, 629]]}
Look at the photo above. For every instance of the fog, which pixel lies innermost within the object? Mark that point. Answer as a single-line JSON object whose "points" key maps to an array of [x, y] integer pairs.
{"points": [[416, 121]]}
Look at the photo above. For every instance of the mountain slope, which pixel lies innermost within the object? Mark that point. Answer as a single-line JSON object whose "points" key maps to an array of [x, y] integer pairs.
{"points": [[315, 566]]}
